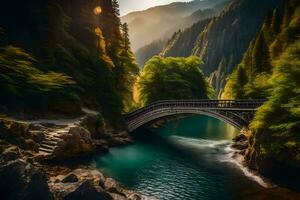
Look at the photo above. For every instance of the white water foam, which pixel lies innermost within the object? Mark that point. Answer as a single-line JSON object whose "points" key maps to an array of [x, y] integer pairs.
{"points": [[199, 142], [230, 155], [238, 160]]}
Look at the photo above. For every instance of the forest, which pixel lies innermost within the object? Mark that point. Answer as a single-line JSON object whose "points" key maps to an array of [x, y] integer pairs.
{"points": [[270, 70], [70, 61]]}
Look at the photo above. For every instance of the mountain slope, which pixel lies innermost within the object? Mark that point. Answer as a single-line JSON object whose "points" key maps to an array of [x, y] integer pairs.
{"points": [[224, 40], [59, 55], [281, 28], [156, 47], [144, 53], [180, 44], [152, 24]]}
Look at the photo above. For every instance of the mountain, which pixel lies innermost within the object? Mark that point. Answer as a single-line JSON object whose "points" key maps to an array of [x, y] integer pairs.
{"points": [[181, 42], [146, 52], [57, 56], [224, 40], [156, 47], [153, 24]]}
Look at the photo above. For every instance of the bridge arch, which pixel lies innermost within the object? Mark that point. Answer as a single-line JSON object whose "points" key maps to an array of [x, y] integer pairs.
{"points": [[237, 113]]}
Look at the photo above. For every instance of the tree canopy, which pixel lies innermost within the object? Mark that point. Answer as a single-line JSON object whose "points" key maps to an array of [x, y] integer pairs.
{"points": [[172, 78], [278, 120]]}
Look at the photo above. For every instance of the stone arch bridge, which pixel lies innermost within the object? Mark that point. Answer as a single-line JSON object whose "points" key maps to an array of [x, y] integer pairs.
{"points": [[237, 113]]}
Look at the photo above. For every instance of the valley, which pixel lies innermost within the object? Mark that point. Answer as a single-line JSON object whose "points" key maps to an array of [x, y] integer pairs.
{"points": [[190, 100]]}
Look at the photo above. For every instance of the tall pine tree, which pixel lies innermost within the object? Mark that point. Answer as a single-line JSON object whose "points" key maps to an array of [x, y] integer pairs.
{"points": [[126, 36], [118, 49]]}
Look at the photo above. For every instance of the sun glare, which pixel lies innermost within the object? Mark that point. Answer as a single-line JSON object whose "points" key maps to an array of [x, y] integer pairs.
{"points": [[97, 10]]}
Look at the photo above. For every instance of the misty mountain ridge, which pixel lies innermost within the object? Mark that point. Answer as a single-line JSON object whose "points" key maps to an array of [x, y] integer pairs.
{"points": [[161, 21]]}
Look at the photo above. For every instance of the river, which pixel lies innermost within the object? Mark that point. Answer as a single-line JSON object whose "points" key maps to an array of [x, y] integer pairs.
{"points": [[188, 159]]}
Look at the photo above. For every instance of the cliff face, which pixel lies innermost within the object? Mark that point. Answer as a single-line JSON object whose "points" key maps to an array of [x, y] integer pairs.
{"points": [[271, 70]]}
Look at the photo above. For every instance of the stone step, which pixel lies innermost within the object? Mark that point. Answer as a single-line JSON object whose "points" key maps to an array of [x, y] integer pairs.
{"points": [[41, 149], [50, 142], [46, 146], [54, 135], [37, 131], [60, 132], [49, 138]]}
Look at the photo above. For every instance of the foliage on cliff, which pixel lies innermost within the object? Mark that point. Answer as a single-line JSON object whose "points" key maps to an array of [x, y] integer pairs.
{"points": [[223, 41], [271, 70], [280, 29], [172, 78], [21, 81], [277, 123], [76, 52]]}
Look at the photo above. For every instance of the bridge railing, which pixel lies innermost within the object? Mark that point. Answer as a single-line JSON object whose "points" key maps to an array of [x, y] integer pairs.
{"points": [[213, 104]]}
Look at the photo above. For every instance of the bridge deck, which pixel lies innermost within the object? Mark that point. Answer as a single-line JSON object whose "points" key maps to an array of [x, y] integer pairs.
{"points": [[241, 104]]}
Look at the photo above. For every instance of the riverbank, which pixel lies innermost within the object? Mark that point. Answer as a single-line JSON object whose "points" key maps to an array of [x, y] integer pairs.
{"points": [[247, 154], [236, 154], [45, 159]]}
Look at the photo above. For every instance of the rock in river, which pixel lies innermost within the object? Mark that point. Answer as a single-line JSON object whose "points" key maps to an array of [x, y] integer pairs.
{"points": [[87, 191]]}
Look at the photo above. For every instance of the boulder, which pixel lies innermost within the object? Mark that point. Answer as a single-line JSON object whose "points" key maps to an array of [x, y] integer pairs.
{"points": [[37, 136], [87, 191], [70, 178], [240, 138], [95, 125], [18, 129], [10, 130], [21, 181], [77, 142], [91, 184], [135, 197], [32, 145], [93, 175], [65, 189], [118, 196], [240, 145], [112, 186], [11, 153]]}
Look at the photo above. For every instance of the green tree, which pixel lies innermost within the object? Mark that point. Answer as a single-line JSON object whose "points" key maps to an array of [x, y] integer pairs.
{"points": [[172, 78], [260, 55], [126, 36], [277, 123]]}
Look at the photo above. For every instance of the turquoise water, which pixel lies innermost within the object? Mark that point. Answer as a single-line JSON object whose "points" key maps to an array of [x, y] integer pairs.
{"points": [[188, 159]]}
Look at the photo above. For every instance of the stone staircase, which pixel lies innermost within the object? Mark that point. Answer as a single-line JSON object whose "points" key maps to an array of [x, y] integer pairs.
{"points": [[54, 130], [52, 138]]}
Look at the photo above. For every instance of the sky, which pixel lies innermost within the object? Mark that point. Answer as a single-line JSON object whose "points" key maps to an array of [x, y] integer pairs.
{"points": [[127, 6]]}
